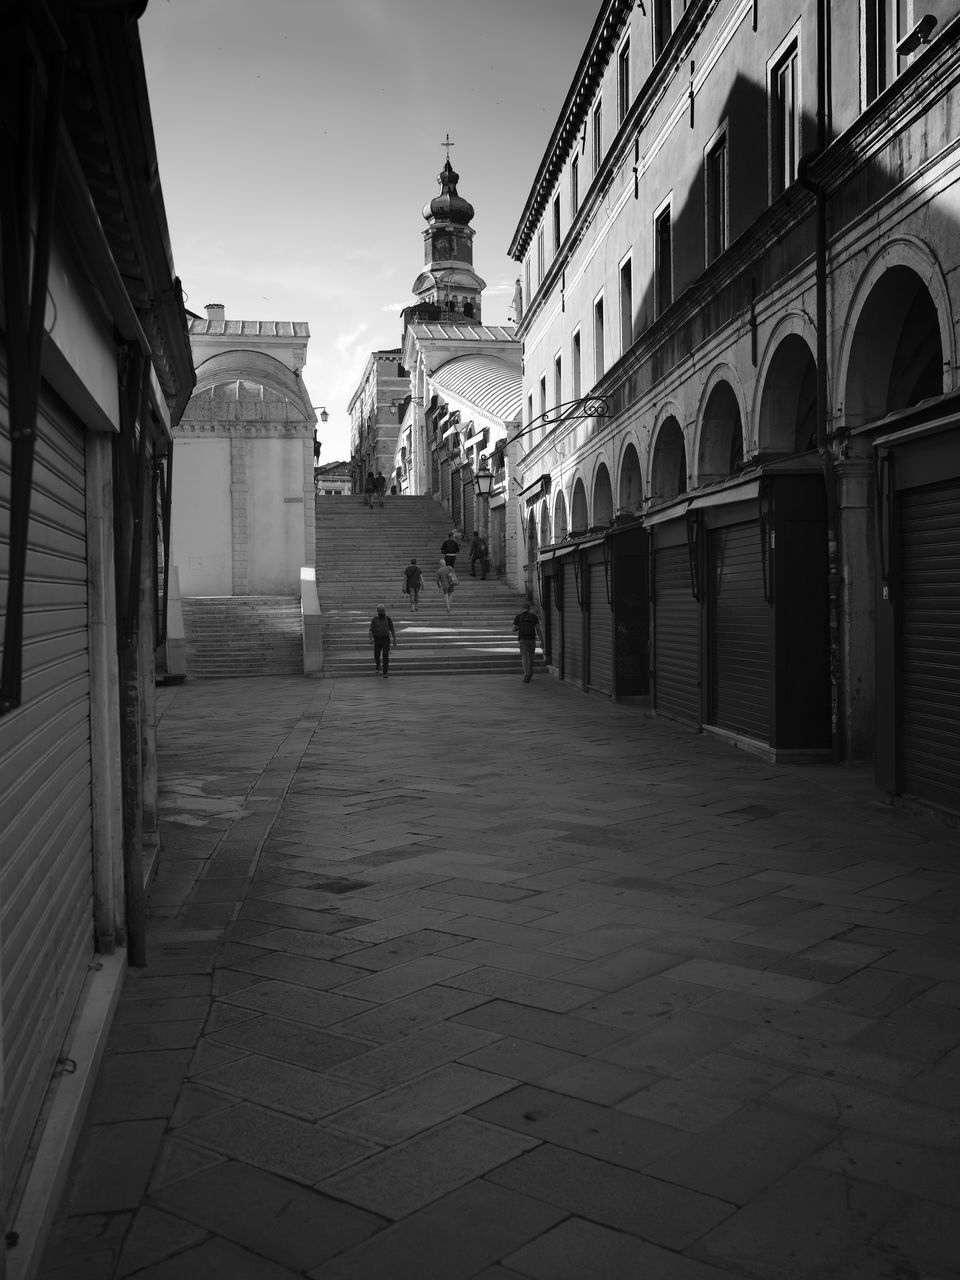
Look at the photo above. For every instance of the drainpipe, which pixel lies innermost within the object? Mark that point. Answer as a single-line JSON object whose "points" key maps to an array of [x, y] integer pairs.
{"points": [[823, 447]]}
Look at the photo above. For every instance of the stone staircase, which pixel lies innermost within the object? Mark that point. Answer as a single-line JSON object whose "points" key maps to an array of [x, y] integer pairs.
{"points": [[361, 555], [242, 636]]}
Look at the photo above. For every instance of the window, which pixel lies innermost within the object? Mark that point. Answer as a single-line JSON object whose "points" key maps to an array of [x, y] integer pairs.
{"points": [[716, 188], [556, 224], [575, 361], [529, 409], [597, 136], [663, 259], [623, 81], [662, 25], [598, 360], [526, 279], [557, 380], [876, 49], [784, 120], [626, 305], [540, 267], [574, 185], [543, 393]]}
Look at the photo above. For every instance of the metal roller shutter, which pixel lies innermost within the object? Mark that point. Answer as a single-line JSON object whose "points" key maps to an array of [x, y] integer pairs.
{"points": [[676, 659], [572, 626], [46, 886], [456, 499], [445, 480], [930, 642], [739, 633], [555, 634], [469, 514], [601, 626]]}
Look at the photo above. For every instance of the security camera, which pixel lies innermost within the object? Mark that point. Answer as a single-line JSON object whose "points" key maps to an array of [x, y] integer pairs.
{"points": [[919, 35]]}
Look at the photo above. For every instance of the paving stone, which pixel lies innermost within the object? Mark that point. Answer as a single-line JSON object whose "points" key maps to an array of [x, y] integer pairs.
{"points": [[217, 1260], [940, 1086], [398, 1182], [284, 1087], [154, 1236], [558, 1031], [86, 1247], [656, 1211], [138, 1086], [801, 1227], [286, 1000], [168, 1010], [403, 979], [851, 1107], [741, 1155], [924, 1172], [581, 1126], [385, 955], [451, 1239], [576, 1249], [401, 1112], [410, 1013], [150, 1037], [640, 1006], [821, 1057], [541, 963], [413, 1055], [292, 1225], [918, 1030], [297, 942], [303, 971], [294, 1042], [737, 978], [520, 1059], [595, 1081], [279, 1143], [539, 993], [113, 1165]]}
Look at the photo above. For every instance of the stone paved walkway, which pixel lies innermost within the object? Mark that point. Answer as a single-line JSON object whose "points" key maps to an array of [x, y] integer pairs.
{"points": [[467, 978]]}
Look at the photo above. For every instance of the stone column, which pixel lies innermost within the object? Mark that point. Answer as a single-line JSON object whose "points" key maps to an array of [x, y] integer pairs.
{"points": [[855, 497], [239, 450]]}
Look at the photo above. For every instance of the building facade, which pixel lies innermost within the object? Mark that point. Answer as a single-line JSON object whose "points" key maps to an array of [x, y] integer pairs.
{"points": [[739, 259], [374, 410], [95, 370], [243, 516]]}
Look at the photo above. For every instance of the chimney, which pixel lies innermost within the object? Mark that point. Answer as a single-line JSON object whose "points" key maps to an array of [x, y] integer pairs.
{"points": [[215, 311]]}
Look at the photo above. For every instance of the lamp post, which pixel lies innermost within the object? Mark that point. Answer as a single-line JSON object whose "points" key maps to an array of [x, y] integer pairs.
{"points": [[483, 481], [322, 410]]}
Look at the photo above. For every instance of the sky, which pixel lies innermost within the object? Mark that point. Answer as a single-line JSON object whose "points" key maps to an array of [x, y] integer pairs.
{"points": [[298, 141]]}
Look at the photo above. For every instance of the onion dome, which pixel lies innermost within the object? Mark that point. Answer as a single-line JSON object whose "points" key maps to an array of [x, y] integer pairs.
{"points": [[448, 205]]}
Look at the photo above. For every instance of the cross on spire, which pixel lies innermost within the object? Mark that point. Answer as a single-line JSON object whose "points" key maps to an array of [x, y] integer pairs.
{"points": [[448, 144]]}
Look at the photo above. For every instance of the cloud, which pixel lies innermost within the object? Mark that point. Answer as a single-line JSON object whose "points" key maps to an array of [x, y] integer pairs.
{"points": [[395, 307]]}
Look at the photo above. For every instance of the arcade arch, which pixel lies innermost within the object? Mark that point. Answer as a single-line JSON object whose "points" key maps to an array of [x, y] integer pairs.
{"points": [[668, 470], [579, 517], [602, 496], [721, 435], [787, 418], [630, 488]]}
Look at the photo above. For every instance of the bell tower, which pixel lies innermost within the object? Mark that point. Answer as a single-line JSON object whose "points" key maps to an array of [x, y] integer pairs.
{"points": [[448, 288]]}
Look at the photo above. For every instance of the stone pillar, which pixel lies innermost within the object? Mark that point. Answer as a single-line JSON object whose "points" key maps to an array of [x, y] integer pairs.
{"points": [[238, 519], [855, 498]]}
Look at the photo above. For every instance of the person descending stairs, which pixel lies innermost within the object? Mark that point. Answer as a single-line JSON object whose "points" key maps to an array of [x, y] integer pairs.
{"points": [[362, 553]]}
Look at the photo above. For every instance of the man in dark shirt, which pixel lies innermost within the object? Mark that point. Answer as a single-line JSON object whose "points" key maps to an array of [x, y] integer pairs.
{"points": [[478, 554], [449, 548], [527, 626], [381, 633]]}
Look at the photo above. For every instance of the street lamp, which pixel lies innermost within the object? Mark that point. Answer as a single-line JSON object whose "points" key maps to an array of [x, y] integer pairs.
{"points": [[483, 480], [324, 416]]}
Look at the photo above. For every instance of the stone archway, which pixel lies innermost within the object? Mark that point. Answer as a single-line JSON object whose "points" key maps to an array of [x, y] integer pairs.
{"points": [[560, 516], [579, 516], [668, 471], [630, 488], [545, 535], [602, 496], [721, 435], [787, 419], [896, 352]]}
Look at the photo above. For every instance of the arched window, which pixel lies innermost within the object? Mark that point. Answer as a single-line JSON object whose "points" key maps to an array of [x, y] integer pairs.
{"points": [[721, 436], [668, 476], [602, 496], [631, 482], [579, 520]]}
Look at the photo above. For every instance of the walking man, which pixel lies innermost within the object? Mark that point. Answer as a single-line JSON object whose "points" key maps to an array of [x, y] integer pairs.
{"points": [[413, 583], [449, 547], [369, 489], [380, 482], [527, 626], [478, 552], [381, 633]]}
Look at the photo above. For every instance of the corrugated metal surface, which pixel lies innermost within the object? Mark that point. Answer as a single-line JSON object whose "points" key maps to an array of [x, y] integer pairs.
{"points": [[930, 642], [676, 656], [445, 480], [572, 625], [465, 332], [490, 384], [601, 626], [740, 638], [46, 890], [469, 502], [554, 636], [456, 498]]}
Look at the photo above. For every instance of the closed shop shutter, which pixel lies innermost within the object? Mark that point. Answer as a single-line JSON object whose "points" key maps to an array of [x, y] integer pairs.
{"points": [[445, 480], [46, 886], [601, 626], [930, 642], [555, 614], [676, 659], [740, 639], [456, 499], [572, 626], [469, 521]]}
